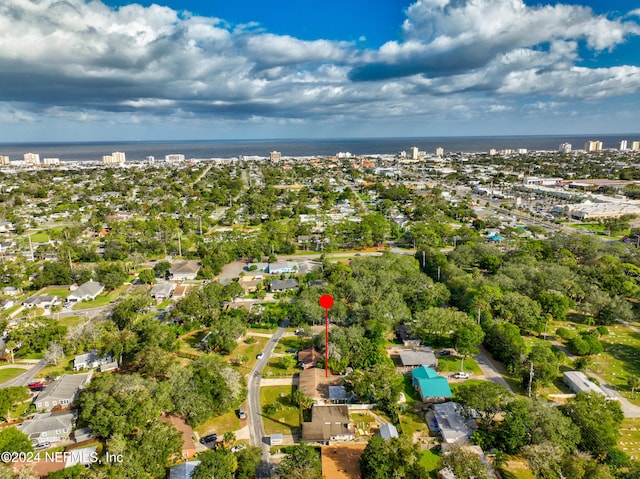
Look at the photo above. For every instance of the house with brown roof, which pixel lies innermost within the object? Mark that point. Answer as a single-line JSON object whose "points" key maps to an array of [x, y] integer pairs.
{"points": [[188, 444], [328, 423], [309, 357], [315, 385]]}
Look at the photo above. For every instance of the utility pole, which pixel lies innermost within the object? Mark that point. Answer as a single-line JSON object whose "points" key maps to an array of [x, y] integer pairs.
{"points": [[179, 245], [530, 378]]}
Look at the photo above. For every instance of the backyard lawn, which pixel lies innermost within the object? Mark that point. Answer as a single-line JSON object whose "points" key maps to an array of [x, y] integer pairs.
{"points": [[286, 418]]}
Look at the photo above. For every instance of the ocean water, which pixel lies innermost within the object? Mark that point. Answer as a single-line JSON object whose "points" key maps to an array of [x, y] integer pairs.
{"points": [[203, 149]]}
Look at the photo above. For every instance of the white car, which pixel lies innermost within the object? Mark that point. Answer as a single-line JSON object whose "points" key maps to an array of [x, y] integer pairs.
{"points": [[461, 375], [260, 356], [238, 447]]}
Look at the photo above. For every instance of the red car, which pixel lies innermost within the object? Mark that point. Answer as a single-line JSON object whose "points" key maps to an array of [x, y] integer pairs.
{"points": [[36, 385]]}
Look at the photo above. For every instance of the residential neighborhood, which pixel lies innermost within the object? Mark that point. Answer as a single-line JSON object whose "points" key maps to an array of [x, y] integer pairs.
{"points": [[476, 327]]}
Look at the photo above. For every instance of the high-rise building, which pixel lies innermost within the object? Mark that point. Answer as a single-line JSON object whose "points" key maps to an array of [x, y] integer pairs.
{"points": [[593, 145], [115, 158], [174, 157], [414, 152], [50, 161], [635, 146], [275, 156], [439, 151], [4, 160], [32, 158], [565, 148], [623, 145]]}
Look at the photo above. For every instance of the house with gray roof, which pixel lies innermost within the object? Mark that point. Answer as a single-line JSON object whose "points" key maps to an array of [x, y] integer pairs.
{"points": [[184, 270], [45, 301], [162, 291], [452, 424], [85, 292], [414, 358], [279, 286], [184, 470], [90, 360], [62, 392], [49, 427]]}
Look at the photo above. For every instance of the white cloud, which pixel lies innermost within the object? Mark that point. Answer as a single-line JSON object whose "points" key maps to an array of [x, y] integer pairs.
{"points": [[81, 61]]}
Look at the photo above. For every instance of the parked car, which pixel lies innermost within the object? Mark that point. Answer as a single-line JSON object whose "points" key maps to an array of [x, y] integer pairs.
{"points": [[208, 439], [42, 445], [238, 447], [291, 350], [260, 356], [242, 414], [445, 352], [461, 375], [35, 385]]}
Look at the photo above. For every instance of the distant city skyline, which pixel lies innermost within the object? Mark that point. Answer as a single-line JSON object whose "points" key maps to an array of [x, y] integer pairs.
{"points": [[189, 69]]}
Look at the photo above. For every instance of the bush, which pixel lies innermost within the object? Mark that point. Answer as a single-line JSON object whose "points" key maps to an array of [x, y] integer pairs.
{"points": [[565, 333]]}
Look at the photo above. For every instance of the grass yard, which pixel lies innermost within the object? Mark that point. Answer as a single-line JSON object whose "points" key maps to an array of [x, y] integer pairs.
{"points": [[72, 321], [62, 291], [55, 370], [412, 422], [410, 394], [292, 342], [220, 424], [430, 459], [10, 373], [249, 351], [452, 364], [286, 420], [40, 237], [516, 469], [274, 368]]}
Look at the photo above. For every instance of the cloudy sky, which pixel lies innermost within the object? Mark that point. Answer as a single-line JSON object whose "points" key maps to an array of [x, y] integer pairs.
{"points": [[76, 70]]}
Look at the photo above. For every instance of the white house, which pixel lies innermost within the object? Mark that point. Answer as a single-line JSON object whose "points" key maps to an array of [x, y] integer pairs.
{"points": [[86, 292]]}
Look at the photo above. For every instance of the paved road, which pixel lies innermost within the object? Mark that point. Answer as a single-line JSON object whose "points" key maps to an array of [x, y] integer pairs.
{"points": [[27, 377], [490, 371], [254, 411]]}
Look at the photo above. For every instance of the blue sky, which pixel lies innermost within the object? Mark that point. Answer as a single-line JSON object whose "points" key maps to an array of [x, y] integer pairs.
{"points": [[77, 70]]}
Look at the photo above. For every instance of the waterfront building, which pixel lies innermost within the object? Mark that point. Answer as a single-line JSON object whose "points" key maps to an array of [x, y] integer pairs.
{"points": [[32, 158], [593, 146], [174, 157], [623, 145], [4, 160], [439, 151], [565, 148], [635, 145], [115, 158], [50, 161], [414, 152], [275, 156]]}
